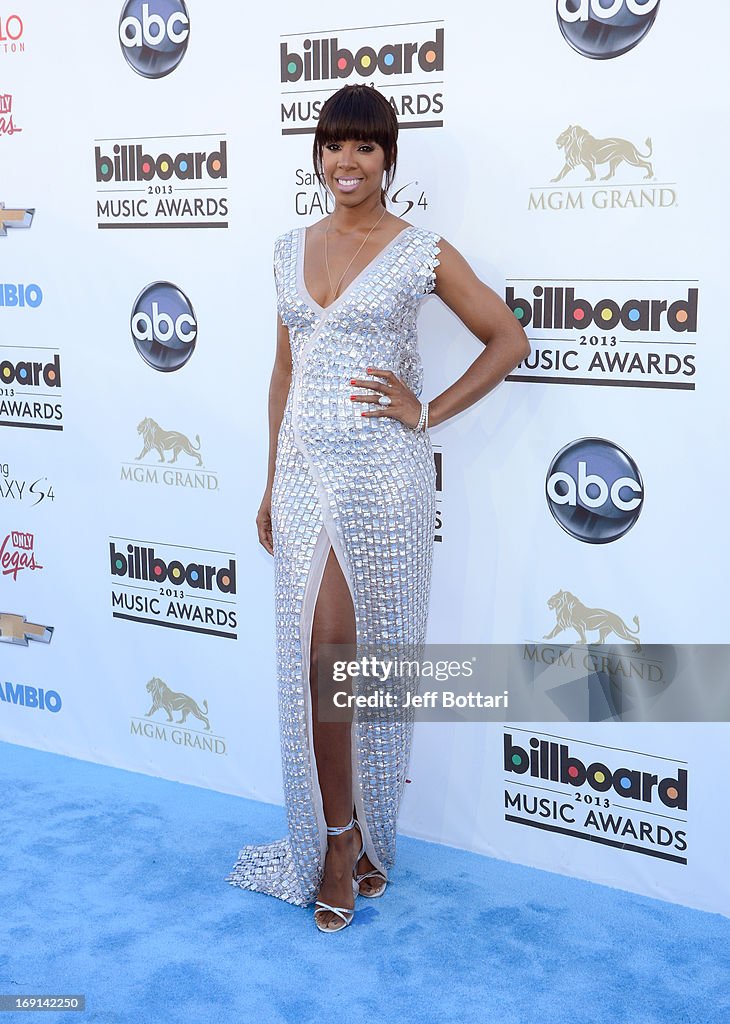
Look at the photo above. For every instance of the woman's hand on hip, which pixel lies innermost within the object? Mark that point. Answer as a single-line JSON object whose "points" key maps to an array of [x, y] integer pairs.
{"points": [[403, 405]]}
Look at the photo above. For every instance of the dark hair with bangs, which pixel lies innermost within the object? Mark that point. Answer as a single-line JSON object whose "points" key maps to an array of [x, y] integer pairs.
{"points": [[357, 112]]}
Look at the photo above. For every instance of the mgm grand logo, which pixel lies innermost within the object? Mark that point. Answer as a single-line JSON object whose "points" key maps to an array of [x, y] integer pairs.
{"points": [[618, 161], [168, 446], [600, 671], [196, 735], [570, 613]]}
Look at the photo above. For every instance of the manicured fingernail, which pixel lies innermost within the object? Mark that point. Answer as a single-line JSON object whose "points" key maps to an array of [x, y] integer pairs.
{"points": [[352, 381], [352, 398]]}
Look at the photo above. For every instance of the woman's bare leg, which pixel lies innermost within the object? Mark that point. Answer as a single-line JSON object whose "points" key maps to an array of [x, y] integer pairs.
{"points": [[334, 623]]}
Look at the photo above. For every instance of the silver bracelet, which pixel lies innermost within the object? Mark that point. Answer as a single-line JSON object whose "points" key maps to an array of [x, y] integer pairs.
{"points": [[423, 419]]}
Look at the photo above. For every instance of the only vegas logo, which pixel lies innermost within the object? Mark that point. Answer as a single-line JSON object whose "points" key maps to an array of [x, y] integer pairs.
{"points": [[17, 555]]}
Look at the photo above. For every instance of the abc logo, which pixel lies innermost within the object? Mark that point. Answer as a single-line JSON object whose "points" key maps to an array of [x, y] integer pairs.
{"points": [[154, 36], [594, 490], [163, 326], [605, 28]]}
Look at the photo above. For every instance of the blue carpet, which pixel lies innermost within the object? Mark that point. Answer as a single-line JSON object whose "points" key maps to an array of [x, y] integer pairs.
{"points": [[112, 885]]}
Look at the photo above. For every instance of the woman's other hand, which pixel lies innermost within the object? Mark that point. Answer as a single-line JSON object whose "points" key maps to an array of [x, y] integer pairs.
{"points": [[263, 522]]}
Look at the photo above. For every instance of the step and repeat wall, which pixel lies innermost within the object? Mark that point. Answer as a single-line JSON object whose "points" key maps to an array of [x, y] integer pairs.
{"points": [[572, 150]]}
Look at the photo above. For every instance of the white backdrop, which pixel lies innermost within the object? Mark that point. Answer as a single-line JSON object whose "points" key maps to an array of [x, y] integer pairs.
{"points": [[510, 85]]}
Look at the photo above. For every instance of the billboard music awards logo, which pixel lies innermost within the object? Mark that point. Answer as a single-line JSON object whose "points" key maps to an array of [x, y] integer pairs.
{"points": [[193, 735], [619, 168], [601, 29], [169, 181], [23, 490], [17, 554], [594, 490], [405, 62], [164, 328], [11, 34], [619, 333], [633, 801], [167, 446], [16, 629], [30, 388], [7, 124], [193, 589], [154, 35]]}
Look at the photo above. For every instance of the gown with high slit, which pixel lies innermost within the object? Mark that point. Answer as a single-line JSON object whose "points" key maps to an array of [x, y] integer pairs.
{"points": [[367, 487]]}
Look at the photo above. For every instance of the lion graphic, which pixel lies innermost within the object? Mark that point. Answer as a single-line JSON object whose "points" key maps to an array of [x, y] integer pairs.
{"points": [[581, 148], [570, 613], [164, 697], [166, 440]]}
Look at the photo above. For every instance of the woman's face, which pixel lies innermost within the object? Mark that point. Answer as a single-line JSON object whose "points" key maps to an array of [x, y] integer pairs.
{"points": [[353, 170]]}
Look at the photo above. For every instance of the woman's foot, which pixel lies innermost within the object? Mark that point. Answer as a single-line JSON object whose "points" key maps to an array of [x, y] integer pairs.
{"points": [[336, 888], [373, 885]]}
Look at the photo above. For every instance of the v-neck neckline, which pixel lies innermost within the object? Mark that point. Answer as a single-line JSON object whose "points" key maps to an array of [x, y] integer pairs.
{"points": [[302, 236]]}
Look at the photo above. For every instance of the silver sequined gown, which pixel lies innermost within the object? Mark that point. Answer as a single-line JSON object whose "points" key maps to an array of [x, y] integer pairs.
{"points": [[367, 485]]}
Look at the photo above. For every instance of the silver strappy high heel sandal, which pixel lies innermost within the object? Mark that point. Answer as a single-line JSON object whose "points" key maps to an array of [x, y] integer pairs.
{"points": [[374, 893], [345, 913]]}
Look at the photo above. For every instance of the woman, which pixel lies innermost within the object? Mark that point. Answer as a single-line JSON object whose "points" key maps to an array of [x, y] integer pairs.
{"points": [[349, 507]]}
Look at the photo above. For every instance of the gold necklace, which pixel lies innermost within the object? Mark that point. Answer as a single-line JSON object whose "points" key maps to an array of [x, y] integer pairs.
{"points": [[326, 260]]}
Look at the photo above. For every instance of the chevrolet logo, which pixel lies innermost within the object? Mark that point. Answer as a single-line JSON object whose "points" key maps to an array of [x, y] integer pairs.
{"points": [[14, 219], [14, 629]]}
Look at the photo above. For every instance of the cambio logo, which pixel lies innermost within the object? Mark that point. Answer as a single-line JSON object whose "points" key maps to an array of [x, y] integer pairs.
{"points": [[154, 36], [31, 697], [20, 295], [594, 490], [164, 328], [601, 29]]}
